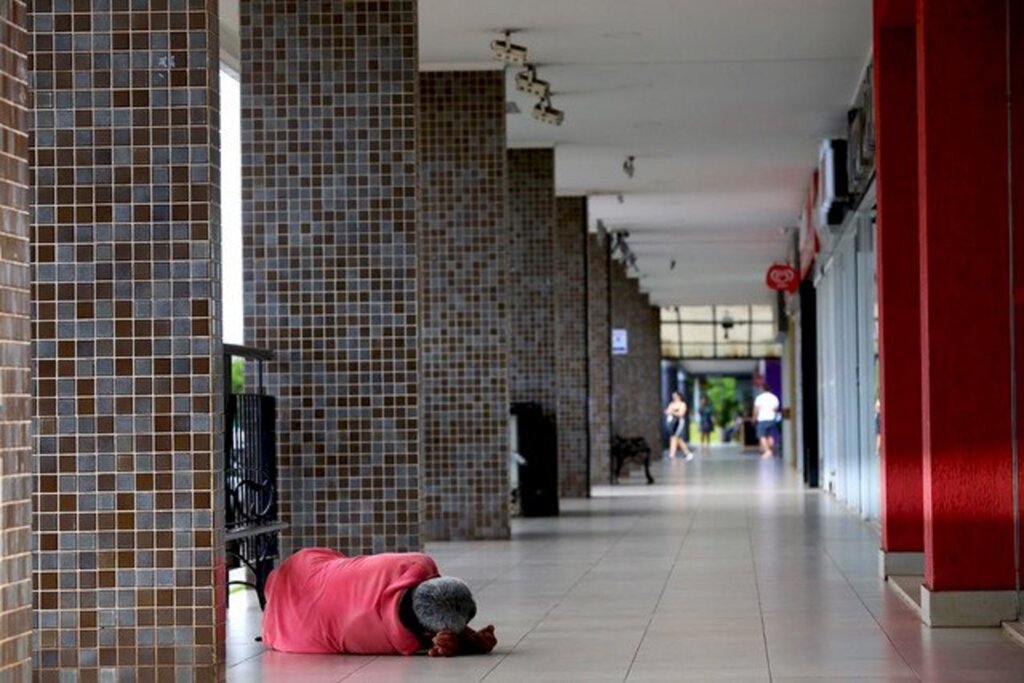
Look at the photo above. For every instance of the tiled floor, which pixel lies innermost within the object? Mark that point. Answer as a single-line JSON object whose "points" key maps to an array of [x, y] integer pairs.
{"points": [[727, 569]]}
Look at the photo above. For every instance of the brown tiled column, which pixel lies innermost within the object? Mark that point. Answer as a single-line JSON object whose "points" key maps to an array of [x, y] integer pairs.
{"points": [[570, 297], [329, 209], [129, 565], [463, 305], [531, 246], [636, 375], [15, 403], [598, 359]]}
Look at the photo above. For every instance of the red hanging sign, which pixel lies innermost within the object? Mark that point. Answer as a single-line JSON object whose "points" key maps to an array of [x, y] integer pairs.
{"points": [[782, 277]]}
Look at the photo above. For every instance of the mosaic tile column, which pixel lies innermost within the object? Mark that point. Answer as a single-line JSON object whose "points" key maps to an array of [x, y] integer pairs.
{"points": [[636, 375], [15, 335], [329, 215], [571, 345], [464, 311], [129, 563], [599, 341], [531, 245]]}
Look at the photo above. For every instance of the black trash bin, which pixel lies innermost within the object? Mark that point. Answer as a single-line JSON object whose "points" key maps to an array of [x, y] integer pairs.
{"points": [[538, 468]]}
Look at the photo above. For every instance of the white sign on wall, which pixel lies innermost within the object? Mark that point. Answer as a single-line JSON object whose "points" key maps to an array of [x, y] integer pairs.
{"points": [[620, 342]]}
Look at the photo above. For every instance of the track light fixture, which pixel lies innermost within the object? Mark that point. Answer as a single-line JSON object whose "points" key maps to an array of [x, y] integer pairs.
{"points": [[543, 111], [527, 81], [620, 198], [629, 166], [508, 52]]}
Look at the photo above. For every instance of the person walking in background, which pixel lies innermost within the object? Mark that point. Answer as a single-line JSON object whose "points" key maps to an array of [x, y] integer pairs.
{"points": [[675, 416], [766, 411], [706, 412]]}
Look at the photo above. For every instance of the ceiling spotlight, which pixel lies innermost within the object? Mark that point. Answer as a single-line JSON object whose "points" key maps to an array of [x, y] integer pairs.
{"points": [[629, 166], [527, 81], [508, 52], [543, 111]]}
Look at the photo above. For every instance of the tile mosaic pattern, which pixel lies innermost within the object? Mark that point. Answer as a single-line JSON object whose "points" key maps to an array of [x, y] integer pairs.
{"points": [[463, 306], [636, 376], [329, 201], [598, 359], [571, 345], [125, 311], [530, 247], [15, 336]]}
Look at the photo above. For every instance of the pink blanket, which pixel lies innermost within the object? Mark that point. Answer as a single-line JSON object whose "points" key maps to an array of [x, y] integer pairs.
{"points": [[319, 601]]}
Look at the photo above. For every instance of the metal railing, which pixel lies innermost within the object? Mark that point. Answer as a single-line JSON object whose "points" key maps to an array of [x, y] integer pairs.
{"points": [[250, 474]]}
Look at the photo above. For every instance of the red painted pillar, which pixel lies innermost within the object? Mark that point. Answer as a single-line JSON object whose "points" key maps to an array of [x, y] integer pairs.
{"points": [[899, 300], [965, 312], [1017, 150]]}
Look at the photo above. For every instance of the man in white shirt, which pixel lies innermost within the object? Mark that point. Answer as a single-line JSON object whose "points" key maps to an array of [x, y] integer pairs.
{"points": [[766, 410]]}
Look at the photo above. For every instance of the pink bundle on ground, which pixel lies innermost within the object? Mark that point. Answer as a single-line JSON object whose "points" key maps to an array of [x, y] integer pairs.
{"points": [[319, 601]]}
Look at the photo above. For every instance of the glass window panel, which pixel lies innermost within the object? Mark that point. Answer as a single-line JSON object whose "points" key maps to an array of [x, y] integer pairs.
{"points": [[765, 350], [734, 349], [698, 351], [762, 332], [700, 333], [696, 313], [763, 313], [671, 350], [670, 333], [669, 314]]}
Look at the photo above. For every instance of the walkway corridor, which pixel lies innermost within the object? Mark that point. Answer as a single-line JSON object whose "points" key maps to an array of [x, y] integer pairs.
{"points": [[725, 570]]}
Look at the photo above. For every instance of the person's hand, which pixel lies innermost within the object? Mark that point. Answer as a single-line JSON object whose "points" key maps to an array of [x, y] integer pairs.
{"points": [[446, 644], [480, 642]]}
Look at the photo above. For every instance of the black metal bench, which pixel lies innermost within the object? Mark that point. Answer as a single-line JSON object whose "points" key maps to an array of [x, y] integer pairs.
{"points": [[634, 449]]}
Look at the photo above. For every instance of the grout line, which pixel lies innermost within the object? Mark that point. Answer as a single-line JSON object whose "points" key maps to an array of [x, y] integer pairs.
{"points": [[664, 587], [874, 618], [757, 589], [558, 602], [354, 672]]}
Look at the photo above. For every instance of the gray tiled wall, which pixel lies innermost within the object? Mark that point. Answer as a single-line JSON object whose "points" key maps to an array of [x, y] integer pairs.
{"points": [[15, 402], [570, 298], [464, 323], [531, 275], [598, 358], [636, 376], [129, 572], [329, 204]]}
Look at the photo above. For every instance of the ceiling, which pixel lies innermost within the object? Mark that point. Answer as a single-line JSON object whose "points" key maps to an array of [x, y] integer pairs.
{"points": [[722, 102]]}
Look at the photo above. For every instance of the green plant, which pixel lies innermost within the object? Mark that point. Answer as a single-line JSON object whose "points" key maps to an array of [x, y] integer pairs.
{"points": [[237, 375], [721, 392]]}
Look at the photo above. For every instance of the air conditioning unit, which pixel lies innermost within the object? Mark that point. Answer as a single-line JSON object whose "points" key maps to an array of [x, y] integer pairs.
{"points": [[860, 132], [833, 193]]}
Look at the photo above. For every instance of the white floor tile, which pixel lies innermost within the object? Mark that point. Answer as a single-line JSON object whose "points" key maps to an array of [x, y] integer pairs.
{"points": [[726, 570]]}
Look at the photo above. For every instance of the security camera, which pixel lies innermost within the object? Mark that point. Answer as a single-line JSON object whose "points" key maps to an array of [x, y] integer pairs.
{"points": [[508, 52], [527, 81], [543, 111]]}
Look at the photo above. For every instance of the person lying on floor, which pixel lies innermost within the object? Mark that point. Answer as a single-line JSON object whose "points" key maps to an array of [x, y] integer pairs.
{"points": [[320, 601]]}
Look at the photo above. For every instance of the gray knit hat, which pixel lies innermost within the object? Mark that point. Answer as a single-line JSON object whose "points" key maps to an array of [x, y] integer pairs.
{"points": [[443, 603]]}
